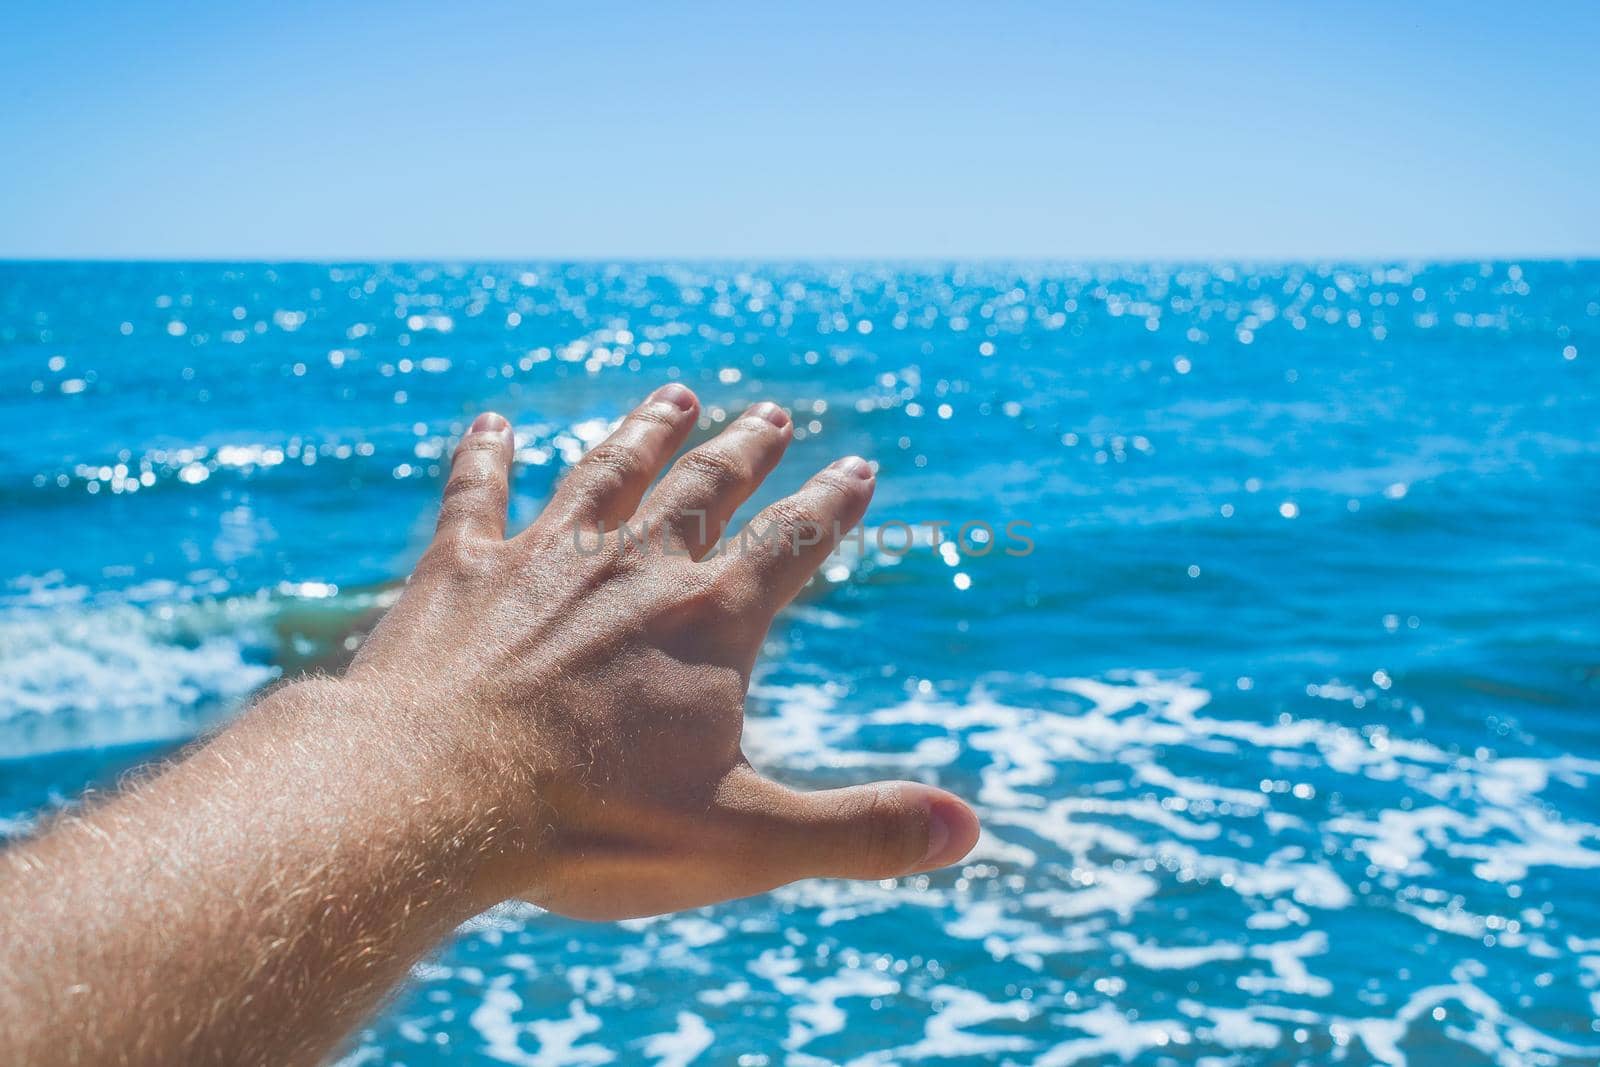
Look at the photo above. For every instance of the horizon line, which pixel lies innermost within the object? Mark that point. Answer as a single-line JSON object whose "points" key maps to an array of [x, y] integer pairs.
{"points": [[1232, 259]]}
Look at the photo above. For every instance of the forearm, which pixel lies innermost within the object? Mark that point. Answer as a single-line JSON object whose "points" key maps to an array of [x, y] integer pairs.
{"points": [[251, 903]]}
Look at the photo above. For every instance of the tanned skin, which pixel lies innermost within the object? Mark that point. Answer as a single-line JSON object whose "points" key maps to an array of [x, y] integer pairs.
{"points": [[543, 717]]}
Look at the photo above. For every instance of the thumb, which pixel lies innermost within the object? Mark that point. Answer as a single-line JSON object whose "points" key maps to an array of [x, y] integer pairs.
{"points": [[882, 830]]}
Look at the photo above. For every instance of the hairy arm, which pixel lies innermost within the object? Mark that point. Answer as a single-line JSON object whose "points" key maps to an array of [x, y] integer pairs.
{"points": [[550, 716], [250, 904]]}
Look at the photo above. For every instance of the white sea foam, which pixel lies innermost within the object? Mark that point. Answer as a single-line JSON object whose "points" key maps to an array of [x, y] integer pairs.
{"points": [[553, 1041], [1131, 825], [79, 675], [948, 1031], [681, 1046]]}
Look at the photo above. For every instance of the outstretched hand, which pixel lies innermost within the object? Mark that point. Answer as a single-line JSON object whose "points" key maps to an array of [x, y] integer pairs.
{"points": [[555, 716], [588, 680]]}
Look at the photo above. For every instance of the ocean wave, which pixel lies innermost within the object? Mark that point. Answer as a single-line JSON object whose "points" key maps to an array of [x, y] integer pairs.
{"points": [[151, 663]]}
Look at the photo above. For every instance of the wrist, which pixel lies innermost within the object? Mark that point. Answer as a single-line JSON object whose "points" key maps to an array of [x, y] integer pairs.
{"points": [[457, 780], [398, 779]]}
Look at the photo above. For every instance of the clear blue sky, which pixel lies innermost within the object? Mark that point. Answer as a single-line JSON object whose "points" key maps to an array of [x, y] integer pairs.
{"points": [[289, 130]]}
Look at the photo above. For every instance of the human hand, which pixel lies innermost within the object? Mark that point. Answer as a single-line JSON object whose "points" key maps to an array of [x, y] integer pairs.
{"points": [[589, 693]]}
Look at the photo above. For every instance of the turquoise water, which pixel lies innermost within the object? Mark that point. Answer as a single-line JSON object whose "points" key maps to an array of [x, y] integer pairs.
{"points": [[1284, 736]]}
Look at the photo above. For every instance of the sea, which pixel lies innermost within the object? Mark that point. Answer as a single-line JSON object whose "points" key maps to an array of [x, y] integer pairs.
{"points": [[1284, 732]]}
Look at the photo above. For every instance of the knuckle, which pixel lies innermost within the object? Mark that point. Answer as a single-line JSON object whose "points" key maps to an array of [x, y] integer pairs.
{"points": [[608, 455], [606, 471], [650, 415], [883, 843], [476, 482], [721, 469], [474, 558], [789, 514], [477, 443], [705, 595], [610, 466], [459, 556], [614, 565], [839, 486], [797, 525]]}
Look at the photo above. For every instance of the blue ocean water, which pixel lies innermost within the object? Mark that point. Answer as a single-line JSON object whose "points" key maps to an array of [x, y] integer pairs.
{"points": [[1284, 735]]}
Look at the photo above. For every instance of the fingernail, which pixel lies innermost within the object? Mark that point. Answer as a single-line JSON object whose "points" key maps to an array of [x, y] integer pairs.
{"points": [[854, 465], [945, 819], [771, 412], [488, 422], [676, 395]]}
